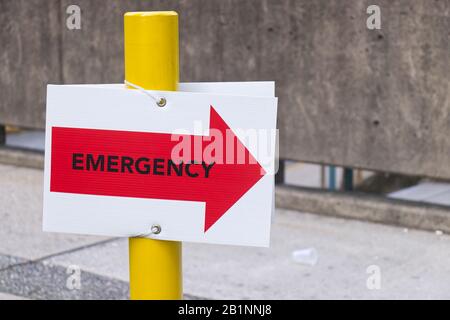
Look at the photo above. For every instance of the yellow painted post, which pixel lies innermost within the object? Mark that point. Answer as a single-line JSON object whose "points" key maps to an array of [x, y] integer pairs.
{"points": [[151, 62]]}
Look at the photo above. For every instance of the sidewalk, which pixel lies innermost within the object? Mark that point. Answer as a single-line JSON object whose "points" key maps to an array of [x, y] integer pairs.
{"points": [[33, 264]]}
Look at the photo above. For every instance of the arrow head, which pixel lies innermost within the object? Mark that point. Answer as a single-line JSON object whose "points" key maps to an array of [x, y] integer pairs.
{"points": [[233, 177]]}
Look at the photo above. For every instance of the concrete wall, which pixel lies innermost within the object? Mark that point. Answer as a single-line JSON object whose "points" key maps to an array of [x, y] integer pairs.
{"points": [[348, 95], [29, 58]]}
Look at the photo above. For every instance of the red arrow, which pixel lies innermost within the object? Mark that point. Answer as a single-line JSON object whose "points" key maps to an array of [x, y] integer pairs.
{"points": [[115, 163]]}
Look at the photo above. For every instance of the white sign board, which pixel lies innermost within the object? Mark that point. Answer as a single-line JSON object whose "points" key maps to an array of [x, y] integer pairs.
{"points": [[201, 167]]}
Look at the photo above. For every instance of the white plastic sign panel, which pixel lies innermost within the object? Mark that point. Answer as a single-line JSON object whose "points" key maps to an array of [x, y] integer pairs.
{"points": [[201, 167]]}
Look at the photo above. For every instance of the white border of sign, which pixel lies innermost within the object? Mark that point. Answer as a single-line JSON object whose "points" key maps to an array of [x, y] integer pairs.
{"points": [[248, 105]]}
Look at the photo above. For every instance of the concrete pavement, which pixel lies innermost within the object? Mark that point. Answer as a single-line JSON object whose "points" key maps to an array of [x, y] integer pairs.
{"points": [[4, 296], [37, 265]]}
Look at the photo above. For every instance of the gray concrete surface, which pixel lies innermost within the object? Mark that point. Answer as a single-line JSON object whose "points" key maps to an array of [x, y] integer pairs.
{"points": [[413, 264], [430, 192], [374, 99], [21, 157], [4, 296], [30, 60], [7, 260], [39, 280], [21, 217], [27, 139], [365, 207]]}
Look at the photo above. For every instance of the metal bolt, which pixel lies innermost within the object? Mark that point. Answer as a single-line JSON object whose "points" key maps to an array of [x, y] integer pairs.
{"points": [[156, 229], [162, 102]]}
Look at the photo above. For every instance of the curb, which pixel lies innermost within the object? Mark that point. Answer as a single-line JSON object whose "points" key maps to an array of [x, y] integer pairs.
{"points": [[365, 207], [22, 157]]}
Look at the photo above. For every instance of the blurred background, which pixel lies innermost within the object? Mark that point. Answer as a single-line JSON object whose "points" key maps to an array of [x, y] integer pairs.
{"points": [[363, 187]]}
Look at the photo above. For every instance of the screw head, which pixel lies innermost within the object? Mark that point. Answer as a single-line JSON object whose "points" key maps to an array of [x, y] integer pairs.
{"points": [[156, 229], [162, 102]]}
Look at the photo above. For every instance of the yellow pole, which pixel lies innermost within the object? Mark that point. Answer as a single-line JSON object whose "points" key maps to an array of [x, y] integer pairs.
{"points": [[151, 61]]}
